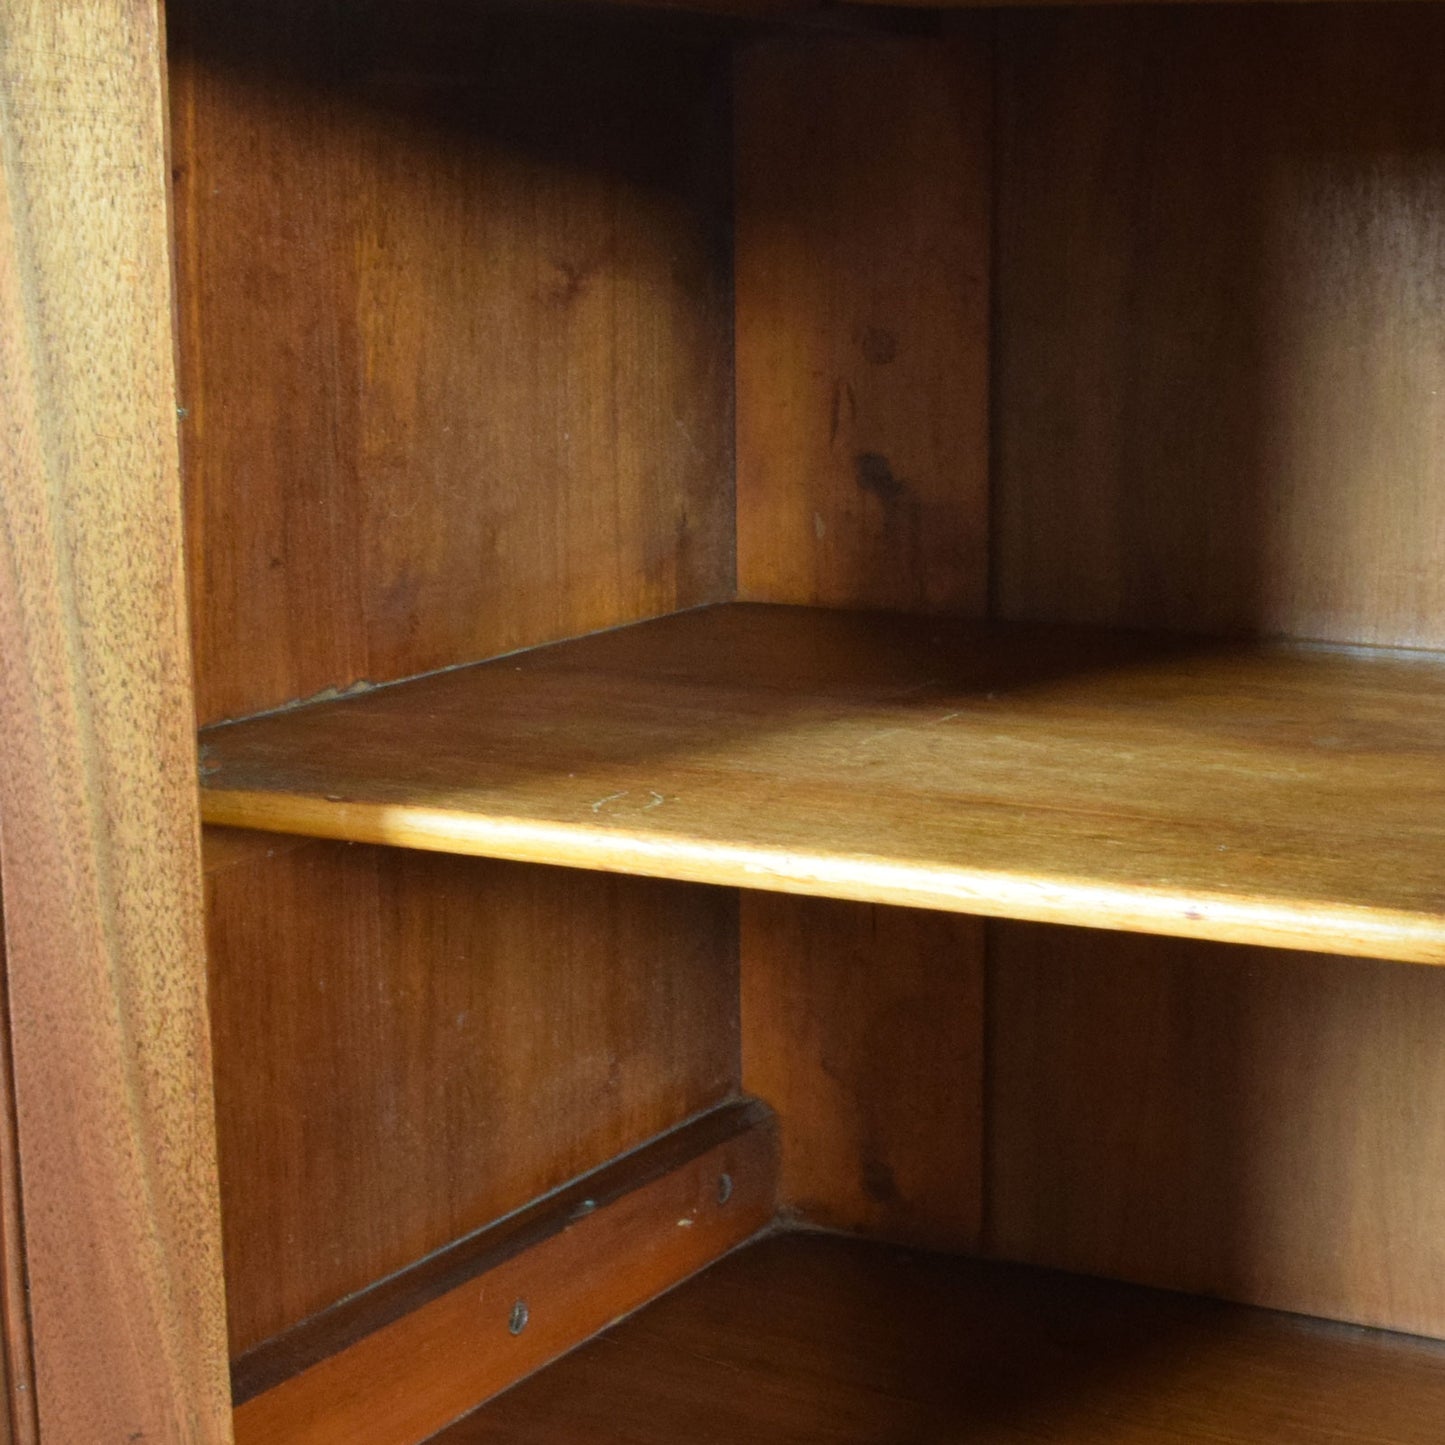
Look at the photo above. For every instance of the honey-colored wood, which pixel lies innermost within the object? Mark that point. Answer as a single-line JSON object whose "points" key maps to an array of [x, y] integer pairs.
{"points": [[862, 260], [409, 1046], [804, 1339], [1221, 1120], [97, 798], [1281, 795], [863, 1027], [1219, 401], [454, 334], [405, 1381]]}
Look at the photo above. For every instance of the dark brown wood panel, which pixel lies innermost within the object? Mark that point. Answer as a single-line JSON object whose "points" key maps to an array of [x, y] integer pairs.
{"points": [[423, 1370], [409, 1046], [863, 1028], [98, 825], [1261, 1126], [455, 333], [1219, 398], [801, 1340], [863, 221]]}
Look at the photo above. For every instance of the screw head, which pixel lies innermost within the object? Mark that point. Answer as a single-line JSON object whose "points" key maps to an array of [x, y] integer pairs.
{"points": [[724, 1188], [517, 1321]]}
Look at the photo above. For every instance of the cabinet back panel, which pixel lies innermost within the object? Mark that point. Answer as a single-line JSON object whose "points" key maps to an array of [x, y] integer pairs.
{"points": [[862, 255], [455, 334], [861, 1026], [1231, 1121], [1219, 400], [1219, 407], [862, 322], [410, 1045]]}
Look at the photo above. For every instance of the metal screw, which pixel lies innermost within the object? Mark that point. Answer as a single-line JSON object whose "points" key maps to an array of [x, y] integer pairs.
{"points": [[519, 1317], [724, 1188]]}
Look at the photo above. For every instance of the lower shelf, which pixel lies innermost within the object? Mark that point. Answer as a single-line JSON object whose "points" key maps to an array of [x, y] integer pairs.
{"points": [[806, 1338]]}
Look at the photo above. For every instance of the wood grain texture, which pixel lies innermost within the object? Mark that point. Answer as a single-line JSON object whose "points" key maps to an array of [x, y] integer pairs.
{"points": [[378, 1307], [455, 334], [97, 792], [410, 1046], [18, 1423], [1219, 402], [800, 1339], [862, 259], [404, 1382], [1218, 408], [1280, 795], [1228, 1121], [863, 1028]]}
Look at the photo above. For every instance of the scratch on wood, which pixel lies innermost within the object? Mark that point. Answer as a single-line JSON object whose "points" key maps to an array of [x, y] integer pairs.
{"points": [[879, 736], [601, 803]]}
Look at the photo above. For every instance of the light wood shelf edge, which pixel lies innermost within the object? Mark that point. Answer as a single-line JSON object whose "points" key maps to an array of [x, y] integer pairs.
{"points": [[1266, 922]]}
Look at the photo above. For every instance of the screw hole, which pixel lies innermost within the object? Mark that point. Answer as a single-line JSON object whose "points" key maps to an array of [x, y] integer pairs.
{"points": [[724, 1188], [519, 1317]]}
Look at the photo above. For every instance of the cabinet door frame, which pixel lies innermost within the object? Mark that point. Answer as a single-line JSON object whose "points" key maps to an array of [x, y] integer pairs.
{"points": [[99, 833]]}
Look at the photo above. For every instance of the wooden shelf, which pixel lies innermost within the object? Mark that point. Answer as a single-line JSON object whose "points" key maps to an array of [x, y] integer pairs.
{"points": [[810, 1339], [1283, 795]]}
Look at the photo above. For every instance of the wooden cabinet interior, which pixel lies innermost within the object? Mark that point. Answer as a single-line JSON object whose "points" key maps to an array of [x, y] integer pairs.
{"points": [[982, 472]]}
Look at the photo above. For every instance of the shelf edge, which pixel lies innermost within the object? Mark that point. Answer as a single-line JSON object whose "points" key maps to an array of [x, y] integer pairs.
{"points": [[1404, 937]]}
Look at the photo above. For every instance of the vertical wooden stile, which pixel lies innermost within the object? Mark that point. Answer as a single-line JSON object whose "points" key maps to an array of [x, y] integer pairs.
{"points": [[98, 821]]}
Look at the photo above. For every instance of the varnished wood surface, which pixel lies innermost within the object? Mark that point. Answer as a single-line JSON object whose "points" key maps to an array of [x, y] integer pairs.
{"points": [[1229, 1121], [1276, 795], [351, 1320], [1219, 397], [817, 1341], [862, 268], [1218, 405], [454, 309], [400, 1384], [98, 826], [409, 1046], [863, 1027]]}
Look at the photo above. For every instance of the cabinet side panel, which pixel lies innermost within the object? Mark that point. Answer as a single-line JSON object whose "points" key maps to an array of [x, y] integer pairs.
{"points": [[455, 334], [1219, 399], [862, 317], [97, 769], [1231, 1121], [410, 1045]]}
